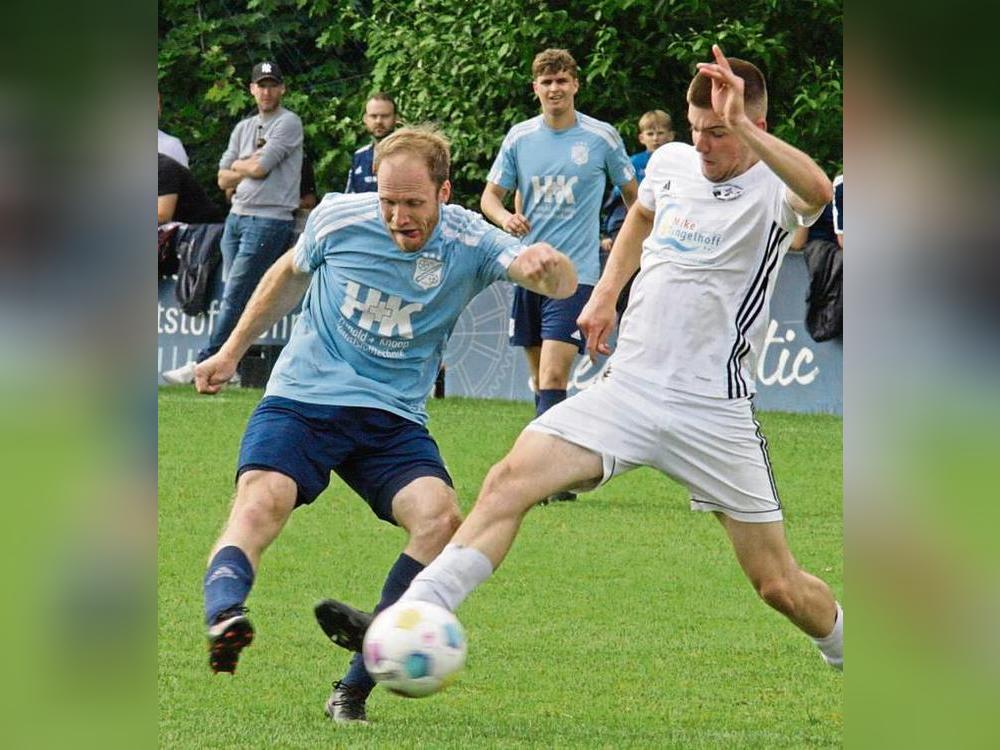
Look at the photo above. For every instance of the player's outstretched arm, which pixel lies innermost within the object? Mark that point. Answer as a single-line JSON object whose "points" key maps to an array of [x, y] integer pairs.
{"points": [[543, 269], [809, 189], [598, 317], [277, 294], [491, 204]]}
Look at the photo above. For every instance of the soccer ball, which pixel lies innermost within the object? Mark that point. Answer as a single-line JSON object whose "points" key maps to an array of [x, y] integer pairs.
{"points": [[414, 648]]}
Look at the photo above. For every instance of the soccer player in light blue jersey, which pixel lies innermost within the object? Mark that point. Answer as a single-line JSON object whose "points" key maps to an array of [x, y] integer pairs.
{"points": [[385, 278], [558, 163]]}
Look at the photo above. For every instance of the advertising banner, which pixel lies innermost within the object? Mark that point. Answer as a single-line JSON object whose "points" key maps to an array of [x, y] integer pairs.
{"points": [[794, 374]]}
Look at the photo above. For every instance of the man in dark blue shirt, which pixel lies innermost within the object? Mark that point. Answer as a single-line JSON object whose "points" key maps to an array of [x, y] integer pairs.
{"points": [[379, 120]]}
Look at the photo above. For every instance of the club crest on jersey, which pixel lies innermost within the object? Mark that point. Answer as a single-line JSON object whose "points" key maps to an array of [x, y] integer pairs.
{"points": [[727, 192], [427, 272], [579, 153]]}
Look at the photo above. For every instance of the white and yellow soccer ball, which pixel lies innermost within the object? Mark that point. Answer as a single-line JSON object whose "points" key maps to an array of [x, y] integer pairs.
{"points": [[414, 648]]}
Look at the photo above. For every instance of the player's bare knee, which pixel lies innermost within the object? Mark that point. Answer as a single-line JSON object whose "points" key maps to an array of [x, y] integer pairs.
{"points": [[435, 531], [437, 520], [263, 498], [553, 378]]}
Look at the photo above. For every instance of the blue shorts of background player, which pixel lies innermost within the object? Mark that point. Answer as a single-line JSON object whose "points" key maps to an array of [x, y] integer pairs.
{"points": [[535, 318]]}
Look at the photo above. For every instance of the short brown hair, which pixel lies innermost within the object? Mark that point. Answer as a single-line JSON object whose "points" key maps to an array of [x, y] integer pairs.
{"points": [[381, 96], [425, 141], [699, 93], [656, 117], [552, 61]]}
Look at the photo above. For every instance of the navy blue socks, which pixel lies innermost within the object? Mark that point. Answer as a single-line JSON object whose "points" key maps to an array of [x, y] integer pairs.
{"points": [[227, 582], [403, 571], [547, 398]]}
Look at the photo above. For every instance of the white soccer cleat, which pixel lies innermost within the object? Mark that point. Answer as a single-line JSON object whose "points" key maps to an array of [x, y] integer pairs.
{"points": [[183, 375]]}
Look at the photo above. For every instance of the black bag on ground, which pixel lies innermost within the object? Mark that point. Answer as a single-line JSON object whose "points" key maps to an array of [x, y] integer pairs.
{"points": [[199, 255], [825, 303]]}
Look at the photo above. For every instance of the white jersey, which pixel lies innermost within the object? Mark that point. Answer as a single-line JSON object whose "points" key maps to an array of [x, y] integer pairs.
{"points": [[699, 308]]}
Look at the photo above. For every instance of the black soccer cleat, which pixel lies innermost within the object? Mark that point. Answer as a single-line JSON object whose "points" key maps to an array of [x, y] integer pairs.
{"points": [[231, 633], [346, 704], [342, 623]]}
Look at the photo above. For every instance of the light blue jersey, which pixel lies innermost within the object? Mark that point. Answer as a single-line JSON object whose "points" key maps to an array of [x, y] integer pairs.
{"points": [[560, 174], [375, 320]]}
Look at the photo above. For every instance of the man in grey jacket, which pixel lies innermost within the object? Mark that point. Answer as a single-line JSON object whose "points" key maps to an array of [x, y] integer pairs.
{"points": [[263, 164]]}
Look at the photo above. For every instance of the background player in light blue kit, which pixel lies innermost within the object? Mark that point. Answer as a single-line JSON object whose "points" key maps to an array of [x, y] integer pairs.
{"points": [[558, 162], [385, 278]]}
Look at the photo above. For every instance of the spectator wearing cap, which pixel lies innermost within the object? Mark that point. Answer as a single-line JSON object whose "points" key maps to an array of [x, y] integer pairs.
{"points": [[263, 164]]}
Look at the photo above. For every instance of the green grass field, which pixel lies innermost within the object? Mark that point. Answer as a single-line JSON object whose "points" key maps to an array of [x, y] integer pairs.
{"points": [[620, 620]]}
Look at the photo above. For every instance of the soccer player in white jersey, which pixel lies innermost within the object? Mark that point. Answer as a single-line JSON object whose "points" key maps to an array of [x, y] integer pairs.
{"points": [[385, 277], [557, 162], [712, 223]]}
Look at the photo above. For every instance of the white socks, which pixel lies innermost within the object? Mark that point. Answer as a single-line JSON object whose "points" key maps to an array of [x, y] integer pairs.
{"points": [[832, 646], [450, 577]]}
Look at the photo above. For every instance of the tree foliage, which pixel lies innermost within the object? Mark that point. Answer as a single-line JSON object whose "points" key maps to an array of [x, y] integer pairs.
{"points": [[466, 66]]}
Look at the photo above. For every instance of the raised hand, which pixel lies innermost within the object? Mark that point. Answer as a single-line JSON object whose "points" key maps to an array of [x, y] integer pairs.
{"points": [[727, 88]]}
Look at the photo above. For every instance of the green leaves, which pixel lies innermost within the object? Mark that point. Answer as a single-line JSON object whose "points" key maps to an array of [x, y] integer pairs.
{"points": [[467, 66]]}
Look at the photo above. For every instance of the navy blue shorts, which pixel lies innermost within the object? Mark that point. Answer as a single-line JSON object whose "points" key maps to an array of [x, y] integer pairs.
{"points": [[375, 452], [536, 318]]}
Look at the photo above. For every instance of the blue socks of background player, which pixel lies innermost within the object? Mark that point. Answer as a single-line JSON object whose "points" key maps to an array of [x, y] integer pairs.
{"points": [[227, 582], [547, 398], [403, 571]]}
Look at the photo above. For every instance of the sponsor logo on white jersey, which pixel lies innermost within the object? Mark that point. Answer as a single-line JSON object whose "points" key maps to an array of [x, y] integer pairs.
{"points": [[676, 231], [389, 314], [556, 189], [727, 192], [579, 153], [427, 272]]}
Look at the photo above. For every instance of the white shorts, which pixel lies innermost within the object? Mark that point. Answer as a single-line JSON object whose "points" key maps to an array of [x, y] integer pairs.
{"points": [[713, 446]]}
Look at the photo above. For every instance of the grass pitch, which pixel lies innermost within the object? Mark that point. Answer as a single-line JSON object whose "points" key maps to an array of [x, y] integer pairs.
{"points": [[620, 620]]}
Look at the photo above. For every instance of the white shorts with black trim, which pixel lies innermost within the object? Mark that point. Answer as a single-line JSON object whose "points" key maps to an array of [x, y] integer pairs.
{"points": [[713, 446]]}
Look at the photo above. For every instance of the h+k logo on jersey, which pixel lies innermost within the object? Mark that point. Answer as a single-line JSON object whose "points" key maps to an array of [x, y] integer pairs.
{"points": [[390, 314], [555, 189]]}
